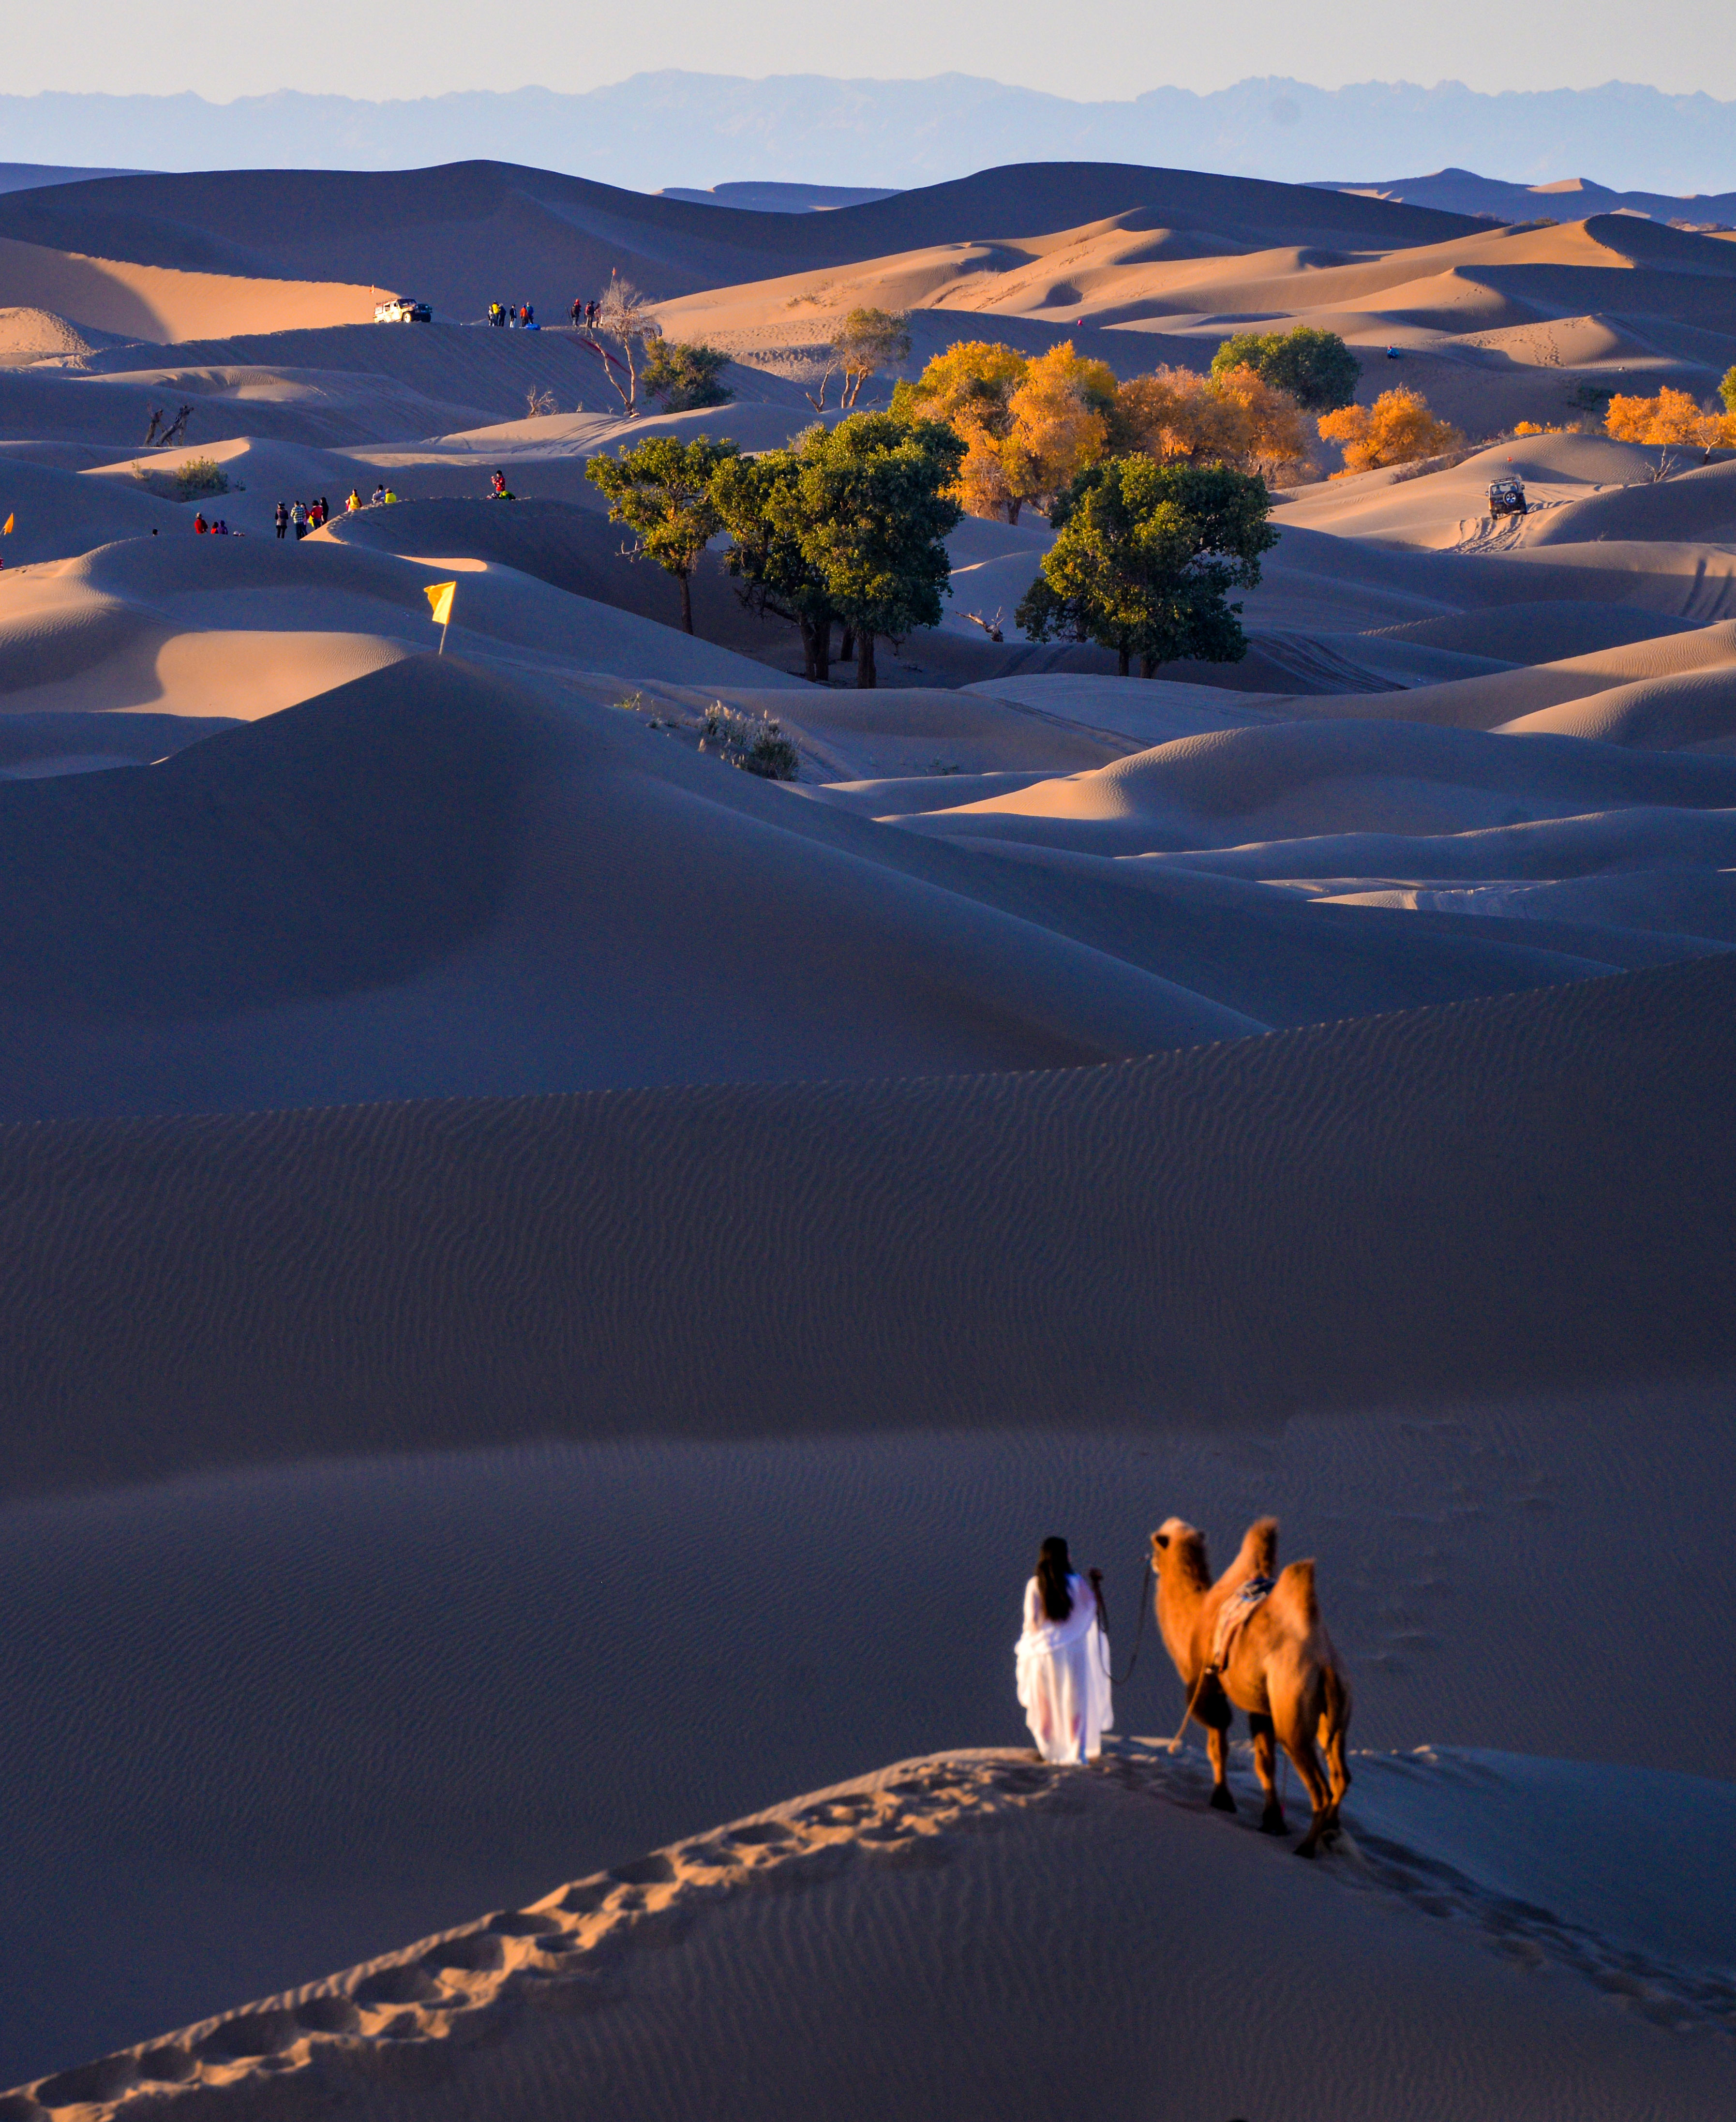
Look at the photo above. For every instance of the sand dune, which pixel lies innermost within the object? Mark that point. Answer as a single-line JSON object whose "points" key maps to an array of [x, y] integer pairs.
{"points": [[451, 232], [144, 301], [1565, 1221], [1272, 782], [473, 1158], [587, 929], [491, 2019], [468, 1765]]}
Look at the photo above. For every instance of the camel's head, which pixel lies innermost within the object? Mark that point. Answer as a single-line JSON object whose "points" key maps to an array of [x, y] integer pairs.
{"points": [[1178, 1551]]}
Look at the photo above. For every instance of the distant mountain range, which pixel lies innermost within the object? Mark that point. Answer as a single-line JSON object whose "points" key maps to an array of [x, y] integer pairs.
{"points": [[1573, 198], [694, 130]]}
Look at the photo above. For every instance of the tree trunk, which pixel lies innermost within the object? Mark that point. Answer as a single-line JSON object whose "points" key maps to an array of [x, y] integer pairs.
{"points": [[847, 645], [864, 659], [1148, 667], [1013, 508], [686, 583], [822, 652], [810, 647], [1121, 671]]}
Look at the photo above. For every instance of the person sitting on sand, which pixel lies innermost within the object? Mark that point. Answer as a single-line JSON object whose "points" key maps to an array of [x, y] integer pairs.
{"points": [[354, 503], [199, 524], [1063, 1659], [377, 496]]}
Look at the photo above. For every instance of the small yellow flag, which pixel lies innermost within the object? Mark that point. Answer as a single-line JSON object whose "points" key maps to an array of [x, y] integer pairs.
{"points": [[439, 595], [5, 530]]}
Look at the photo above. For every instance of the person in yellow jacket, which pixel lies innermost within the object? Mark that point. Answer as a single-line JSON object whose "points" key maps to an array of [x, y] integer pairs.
{"points": [[354, 503]]}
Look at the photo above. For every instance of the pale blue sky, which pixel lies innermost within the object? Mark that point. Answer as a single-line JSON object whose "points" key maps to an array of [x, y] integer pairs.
{"points": [[1089, 48]]}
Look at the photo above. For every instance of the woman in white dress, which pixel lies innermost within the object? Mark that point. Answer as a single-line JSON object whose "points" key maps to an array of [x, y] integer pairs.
{"points": [[1063, 1661]]}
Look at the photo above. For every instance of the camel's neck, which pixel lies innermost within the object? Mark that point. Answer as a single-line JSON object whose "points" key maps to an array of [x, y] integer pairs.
{"points": [[1179, 1612]]}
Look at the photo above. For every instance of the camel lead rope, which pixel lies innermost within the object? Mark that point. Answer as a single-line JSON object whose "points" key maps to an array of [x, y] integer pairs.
{"points": [[1138, 1635]]}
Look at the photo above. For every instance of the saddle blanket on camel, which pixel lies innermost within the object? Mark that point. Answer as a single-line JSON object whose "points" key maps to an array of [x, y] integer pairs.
{"points": [[1233, 1617]]}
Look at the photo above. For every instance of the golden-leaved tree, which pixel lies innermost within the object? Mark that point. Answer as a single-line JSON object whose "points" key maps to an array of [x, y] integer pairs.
{"points": [[1276, 439], [1059, 423], [1175, 413], [1397, 429], [1672, 418], [971, 387]]}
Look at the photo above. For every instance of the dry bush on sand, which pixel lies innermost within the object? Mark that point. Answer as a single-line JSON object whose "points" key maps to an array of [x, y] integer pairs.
{"points": [[756, 744]]}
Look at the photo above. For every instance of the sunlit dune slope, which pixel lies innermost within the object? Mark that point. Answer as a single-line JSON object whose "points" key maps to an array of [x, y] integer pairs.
{"points": [[153, 300], [453, 234], [713, 1972]]}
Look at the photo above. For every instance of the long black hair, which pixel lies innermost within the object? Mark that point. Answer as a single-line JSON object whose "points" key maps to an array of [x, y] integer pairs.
{"points": [[1054, 1567]]}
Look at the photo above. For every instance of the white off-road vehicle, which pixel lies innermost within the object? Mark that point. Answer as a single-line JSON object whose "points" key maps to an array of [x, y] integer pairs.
{"points": [[403, 310]]}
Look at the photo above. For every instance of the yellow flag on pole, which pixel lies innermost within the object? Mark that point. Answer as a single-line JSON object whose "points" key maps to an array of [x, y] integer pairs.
{"points": [[439, 595], [6, 530]]}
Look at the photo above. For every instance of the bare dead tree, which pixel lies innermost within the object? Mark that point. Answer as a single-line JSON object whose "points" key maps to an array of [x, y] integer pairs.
{"points": [[820, 372], [177, 433], [157, 421], [991, 627], [629, 317], [538, 402]]}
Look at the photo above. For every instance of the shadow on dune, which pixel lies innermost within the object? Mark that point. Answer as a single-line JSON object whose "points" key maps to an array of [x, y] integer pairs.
{"points": [[1526, 1190]]}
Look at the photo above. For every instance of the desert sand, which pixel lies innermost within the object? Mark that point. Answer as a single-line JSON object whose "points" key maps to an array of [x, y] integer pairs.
{"points": [[552, 1286]]}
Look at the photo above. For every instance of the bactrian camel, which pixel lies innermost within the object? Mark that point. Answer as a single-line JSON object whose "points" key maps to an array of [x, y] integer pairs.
{"points": [[1277, 1665]]}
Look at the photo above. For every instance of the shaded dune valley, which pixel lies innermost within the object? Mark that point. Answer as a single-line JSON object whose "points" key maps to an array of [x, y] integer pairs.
{"points": [[551, 1286]]}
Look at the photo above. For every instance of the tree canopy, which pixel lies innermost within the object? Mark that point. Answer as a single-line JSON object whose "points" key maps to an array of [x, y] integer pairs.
{"points": [[1146, 554], [1397, 429], [1318, 369], [685, 375], [1672, 418], [868, 340], [874, 502], [849, 525], [662, 489], [759, 502]]}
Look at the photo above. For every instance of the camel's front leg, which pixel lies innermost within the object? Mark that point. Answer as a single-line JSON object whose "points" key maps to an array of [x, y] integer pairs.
{"points": [[1217, 1747], [1271, 1820]]}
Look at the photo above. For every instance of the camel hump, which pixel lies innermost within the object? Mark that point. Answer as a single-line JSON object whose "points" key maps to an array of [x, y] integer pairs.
{"points": [[1260, 1546], [1294, 1594]]}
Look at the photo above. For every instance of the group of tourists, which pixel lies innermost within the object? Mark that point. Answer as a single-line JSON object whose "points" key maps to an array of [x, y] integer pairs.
{"points": [[301, 517], [503, 317], [585, 314], [219, 529]]}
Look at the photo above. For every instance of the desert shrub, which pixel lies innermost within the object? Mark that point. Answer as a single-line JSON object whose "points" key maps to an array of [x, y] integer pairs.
{"points": [[1397, 429], [1316, 368], [1671, 418], [756, 744], [685, 375], [190, 481]]}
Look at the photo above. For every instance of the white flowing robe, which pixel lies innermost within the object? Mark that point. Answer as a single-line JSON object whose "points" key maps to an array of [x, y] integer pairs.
{"points": [[1064, 1677]]}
